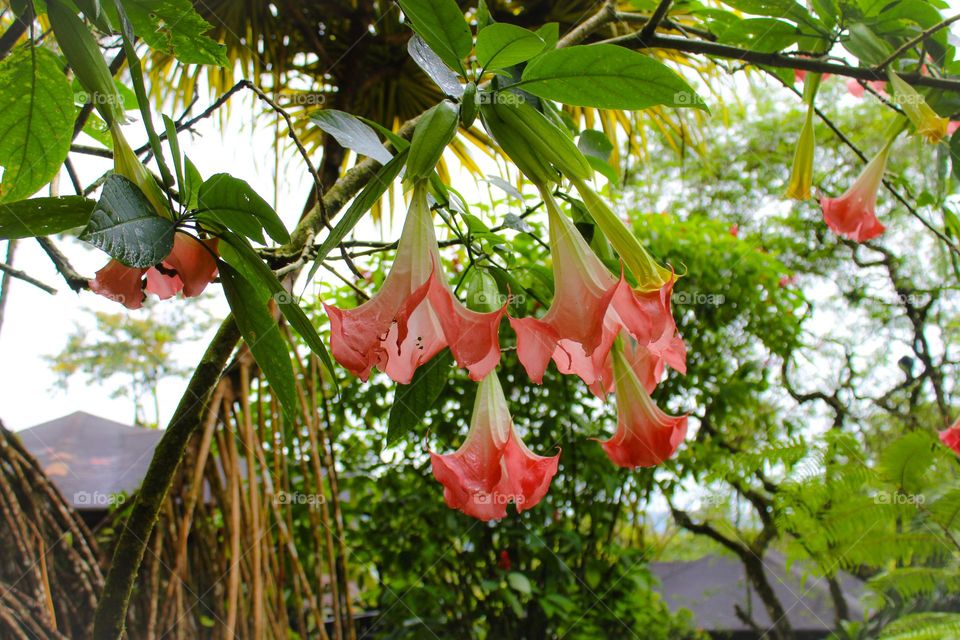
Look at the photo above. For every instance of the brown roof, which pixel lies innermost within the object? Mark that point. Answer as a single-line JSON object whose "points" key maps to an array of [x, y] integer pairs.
{"points": [[91, 460]]}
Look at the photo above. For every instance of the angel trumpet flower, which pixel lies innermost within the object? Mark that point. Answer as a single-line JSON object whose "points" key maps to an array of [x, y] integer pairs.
{"points": [[853, 215], [414, 315], [801, 177], [950, 437], [189, 268], [645, 436], [929, 125], [590, 307], [492, 467]]}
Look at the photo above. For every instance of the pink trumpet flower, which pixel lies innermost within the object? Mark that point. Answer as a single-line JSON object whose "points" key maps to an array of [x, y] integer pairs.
{"points": [[590, 307], [853, 215], [190, 266], [414, 315], [492, 467], [645, 436], [951, 437]]}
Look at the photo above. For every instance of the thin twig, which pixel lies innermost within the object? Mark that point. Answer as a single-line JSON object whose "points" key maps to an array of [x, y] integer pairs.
{"points": [[20, 275], [658, 15], [74, 280], [912, 42]]}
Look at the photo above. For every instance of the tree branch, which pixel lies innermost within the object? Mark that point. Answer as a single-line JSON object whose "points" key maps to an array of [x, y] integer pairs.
{"points": [[10, 272], [778, 60], [112, 608], [909, 44]]}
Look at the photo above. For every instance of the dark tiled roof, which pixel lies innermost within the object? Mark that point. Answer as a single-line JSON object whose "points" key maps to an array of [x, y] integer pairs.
{"points": [[712, 586], [91, 459]]}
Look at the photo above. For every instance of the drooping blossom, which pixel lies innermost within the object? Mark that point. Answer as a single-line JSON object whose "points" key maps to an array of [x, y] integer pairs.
{"points": [[951, 437], [853, 215], [189, 267], [590, 307], [735, 230], [492, 467], [929, 125], [645, 436], [414, 315], [801, 175], [952, 126], [857, 90]]}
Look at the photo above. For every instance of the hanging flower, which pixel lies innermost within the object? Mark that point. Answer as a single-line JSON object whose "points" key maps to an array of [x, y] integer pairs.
{"points": [[853, 215], [951, 437], [492, 467], [414, 315], [645, 436], [589, 309], [190, 267], [932, 127], [801, 176]]}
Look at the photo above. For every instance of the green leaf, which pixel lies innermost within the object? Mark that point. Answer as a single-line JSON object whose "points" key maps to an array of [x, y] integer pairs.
{"points": [[173, 26], [955, 153], [43, 216], [244, 259], [351, 133], [36, 121], [503, 45], [413, 400], [519, 582], [234, 204], [360, 205], [788, 9], [125, 226], [434, 67], [260, 331], [192, 181], [869, 48], [550, 34], [174, 143], [606, 76], [442, 26], [766, 35], [596, 144]]}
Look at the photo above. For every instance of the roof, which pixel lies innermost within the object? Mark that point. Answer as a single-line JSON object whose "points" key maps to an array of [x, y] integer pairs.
{"points": [[91, 460], [712, 586]]}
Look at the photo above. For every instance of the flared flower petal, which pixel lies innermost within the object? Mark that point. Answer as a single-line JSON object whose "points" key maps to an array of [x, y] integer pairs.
{"points": [[163, 285], [195, 262], [951, 437], [492, 467], [473, 336], [120, 283], [589, 309], [645, 436], [414, 315], [853, 215]]}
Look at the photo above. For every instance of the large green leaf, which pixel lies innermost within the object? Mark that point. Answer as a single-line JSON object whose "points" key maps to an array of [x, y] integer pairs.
{"points": [[503, 45], [173, 26], [237, 252], [352, 133], [36, 121], [126, 227], [433, 66], [234, 204], [360, 205], [413, 400], [262, 335], [43, 216], [606, 76], [442, 26], [766, 35]]}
